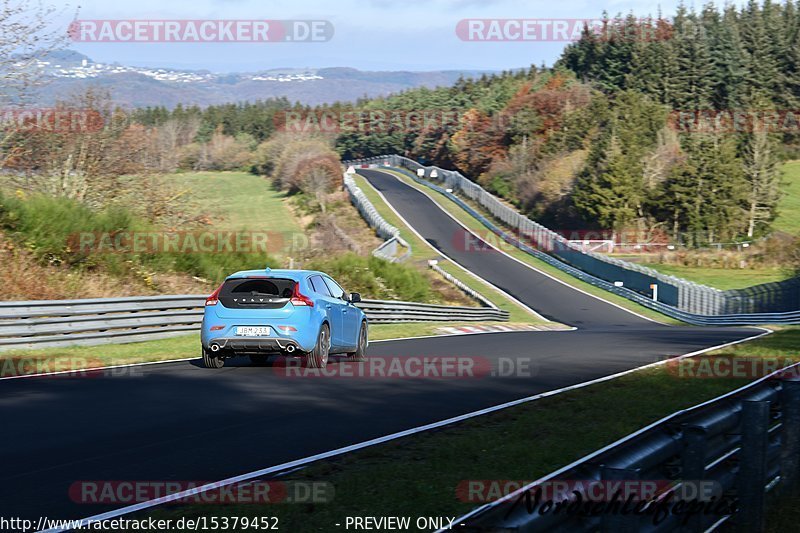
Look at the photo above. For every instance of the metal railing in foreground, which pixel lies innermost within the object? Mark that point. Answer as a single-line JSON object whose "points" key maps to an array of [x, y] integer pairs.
{"points": [[42, 323], [738, 448]]}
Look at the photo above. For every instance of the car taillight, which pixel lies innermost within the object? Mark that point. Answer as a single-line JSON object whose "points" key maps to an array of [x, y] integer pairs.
{"points": [[214, 298], [300, 299]]}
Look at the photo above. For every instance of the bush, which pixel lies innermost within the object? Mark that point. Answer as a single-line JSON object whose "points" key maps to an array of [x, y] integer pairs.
{"points": [[216, 267], [377, 278], [47, 226]]}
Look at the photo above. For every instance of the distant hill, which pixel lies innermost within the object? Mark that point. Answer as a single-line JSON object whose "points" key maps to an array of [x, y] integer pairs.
{"points": [[70, 73]]}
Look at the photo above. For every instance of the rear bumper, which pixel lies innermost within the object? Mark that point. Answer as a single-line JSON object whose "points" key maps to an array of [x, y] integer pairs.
{"points": [[244, 345]]}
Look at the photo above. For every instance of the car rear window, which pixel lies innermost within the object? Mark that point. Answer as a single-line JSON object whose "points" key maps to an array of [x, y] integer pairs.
{"points": [[261, 293]]}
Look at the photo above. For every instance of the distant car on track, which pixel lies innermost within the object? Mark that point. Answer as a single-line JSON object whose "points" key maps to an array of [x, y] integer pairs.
{"points": [[298, 313]]}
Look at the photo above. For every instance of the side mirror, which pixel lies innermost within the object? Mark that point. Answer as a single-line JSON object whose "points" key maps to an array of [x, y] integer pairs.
{"points": [[355, 297]]}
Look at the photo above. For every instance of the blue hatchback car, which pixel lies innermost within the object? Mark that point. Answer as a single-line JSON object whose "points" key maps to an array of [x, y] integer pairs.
{"points": [[299, 313]]}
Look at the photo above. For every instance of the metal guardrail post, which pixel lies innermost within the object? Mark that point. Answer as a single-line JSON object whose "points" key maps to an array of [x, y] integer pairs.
{"points": [[615, 522], [753, 466], [790, 433], [693, 464]]}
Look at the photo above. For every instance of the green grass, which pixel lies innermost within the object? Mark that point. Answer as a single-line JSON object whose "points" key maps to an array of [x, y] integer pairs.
{"points": [[419, 475], [783, 512], [722, 278], [78, 357], [239, 200], [788, 219], [476, 226]]}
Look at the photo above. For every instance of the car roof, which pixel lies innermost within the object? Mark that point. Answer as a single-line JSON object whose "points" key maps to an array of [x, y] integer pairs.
{"points": [[295, 275]]}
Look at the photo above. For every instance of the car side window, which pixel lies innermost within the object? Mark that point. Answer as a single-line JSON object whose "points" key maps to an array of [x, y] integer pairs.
{"points": [[319, 286], [336, 290]]}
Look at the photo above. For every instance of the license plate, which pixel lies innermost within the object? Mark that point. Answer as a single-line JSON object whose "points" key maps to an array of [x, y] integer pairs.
{"points": [[253, 331]]}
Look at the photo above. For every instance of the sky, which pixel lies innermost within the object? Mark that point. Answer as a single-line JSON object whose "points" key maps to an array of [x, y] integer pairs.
{"points": [[369, 34]]}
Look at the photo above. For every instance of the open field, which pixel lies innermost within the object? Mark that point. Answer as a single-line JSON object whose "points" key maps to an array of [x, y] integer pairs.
{"points": [[722, 278], [238, 200], [788, 219]]}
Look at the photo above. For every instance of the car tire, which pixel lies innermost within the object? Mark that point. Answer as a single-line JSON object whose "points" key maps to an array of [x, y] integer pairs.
{"points": [[212, 361], [258, 359], [318, 357], [361, 352]]}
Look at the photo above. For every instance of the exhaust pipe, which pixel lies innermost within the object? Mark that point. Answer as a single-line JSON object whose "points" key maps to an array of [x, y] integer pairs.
{"points": [[214, 348], [290, 348]]}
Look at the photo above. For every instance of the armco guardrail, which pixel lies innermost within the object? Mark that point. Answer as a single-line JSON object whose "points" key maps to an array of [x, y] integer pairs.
{"points": [[745, 444], [388, 250], [691, 295], [44, 323], [472, 293]]}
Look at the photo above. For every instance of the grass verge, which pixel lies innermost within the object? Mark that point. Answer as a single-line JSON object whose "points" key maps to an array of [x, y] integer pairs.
{"points": [[419, 475], [75, 358]]}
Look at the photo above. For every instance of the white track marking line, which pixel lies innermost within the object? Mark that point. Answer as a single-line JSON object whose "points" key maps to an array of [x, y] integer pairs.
{"points": [[380, 440]]}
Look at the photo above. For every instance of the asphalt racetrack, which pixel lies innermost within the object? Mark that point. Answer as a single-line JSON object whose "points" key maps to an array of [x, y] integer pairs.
{"points": [[179, 421]]}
